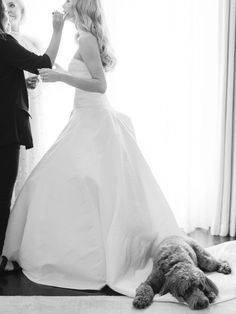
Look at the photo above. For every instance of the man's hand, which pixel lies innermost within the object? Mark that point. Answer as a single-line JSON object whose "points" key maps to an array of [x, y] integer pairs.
{"points": [[32, 82]]}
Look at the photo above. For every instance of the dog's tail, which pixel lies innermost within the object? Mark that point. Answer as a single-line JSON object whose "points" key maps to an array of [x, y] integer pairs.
{"points": [[144, 296]]}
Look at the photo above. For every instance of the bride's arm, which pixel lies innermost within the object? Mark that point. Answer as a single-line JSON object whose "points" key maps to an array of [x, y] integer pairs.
{"points": [[17, 56], [53, 47], [91, 56]]}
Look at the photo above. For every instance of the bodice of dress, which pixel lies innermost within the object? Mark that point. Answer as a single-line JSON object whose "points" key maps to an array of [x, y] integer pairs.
{"points": [[85, 98]]}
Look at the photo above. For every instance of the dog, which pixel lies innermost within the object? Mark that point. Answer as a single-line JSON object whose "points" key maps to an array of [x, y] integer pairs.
{"points": [[178, 268]]}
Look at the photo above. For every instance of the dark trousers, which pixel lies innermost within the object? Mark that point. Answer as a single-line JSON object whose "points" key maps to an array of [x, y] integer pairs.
{"points": [[9, 161]]}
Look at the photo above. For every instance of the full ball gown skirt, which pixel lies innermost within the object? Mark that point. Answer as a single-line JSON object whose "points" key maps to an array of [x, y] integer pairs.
{"points": [[91, 212]]}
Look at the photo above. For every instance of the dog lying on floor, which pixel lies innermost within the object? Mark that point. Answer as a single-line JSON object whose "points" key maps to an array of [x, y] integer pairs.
{"points": [[178, 267]]}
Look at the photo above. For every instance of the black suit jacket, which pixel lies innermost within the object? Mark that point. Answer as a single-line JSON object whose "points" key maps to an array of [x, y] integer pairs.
{"points": [[14, 104]]}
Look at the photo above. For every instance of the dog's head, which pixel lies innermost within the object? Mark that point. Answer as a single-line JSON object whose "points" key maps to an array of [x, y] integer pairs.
{"points": [[188, 283]]}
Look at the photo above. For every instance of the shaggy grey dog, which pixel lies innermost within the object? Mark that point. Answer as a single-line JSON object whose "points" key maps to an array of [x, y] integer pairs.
{"points": [[178, 267]]}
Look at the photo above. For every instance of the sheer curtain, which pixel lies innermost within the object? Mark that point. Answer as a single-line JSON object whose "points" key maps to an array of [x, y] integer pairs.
{"points": [[225, 217], [166, 81]]}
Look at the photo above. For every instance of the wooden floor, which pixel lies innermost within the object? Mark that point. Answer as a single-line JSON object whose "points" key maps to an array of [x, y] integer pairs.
{"points": [[206, 239], [18, 284]]}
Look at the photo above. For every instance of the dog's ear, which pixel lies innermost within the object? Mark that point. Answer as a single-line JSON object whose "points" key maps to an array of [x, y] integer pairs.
{"points": [[170, 281], [165, 288], [185, 284], [210, 285]]}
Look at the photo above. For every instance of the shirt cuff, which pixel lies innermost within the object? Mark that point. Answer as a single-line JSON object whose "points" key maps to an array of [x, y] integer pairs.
{"points": [[48, 63]]}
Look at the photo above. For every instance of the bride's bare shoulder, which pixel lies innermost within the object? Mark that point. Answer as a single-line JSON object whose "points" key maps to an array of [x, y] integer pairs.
{"points": [[88, 45]]}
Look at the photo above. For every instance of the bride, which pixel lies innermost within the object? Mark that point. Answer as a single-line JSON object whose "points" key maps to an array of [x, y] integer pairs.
{"points": [[91, 212]]}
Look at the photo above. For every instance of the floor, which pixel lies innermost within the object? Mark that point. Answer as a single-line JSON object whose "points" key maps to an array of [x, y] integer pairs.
{"points": [[18, 284], [206, 239]]}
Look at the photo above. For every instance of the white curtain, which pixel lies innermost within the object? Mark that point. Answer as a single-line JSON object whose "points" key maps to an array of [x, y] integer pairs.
{"points": [[225, 217], [167, 81]]}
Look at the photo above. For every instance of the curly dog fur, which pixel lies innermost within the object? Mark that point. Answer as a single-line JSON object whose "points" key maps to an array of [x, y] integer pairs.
{"points": [[178, 268]]}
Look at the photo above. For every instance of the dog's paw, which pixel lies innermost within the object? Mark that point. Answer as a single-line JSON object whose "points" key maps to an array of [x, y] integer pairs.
{"points": [[224, 268], [141, 302], [144, 297]]}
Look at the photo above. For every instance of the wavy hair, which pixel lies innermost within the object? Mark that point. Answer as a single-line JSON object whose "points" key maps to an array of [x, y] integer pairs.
{"points": [[89, 17]]}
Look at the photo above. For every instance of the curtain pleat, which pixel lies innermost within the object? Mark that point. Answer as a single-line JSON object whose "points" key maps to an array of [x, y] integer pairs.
{"points": [[225, 218]]}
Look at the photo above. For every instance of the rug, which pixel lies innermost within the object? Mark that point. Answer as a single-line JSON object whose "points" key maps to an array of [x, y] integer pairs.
{"points": [[99, 305]]}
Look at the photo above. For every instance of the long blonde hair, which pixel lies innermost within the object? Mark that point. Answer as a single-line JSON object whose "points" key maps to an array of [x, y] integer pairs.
{"points": [[89, 17]]}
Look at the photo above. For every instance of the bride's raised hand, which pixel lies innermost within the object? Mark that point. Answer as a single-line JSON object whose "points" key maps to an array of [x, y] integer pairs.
{"points": [[58, 21]]}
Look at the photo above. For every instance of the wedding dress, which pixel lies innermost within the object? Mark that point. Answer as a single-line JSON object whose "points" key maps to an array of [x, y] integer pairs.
{"points": [[91, 212]]}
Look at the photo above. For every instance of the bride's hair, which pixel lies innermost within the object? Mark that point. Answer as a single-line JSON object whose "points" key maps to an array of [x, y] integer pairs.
{"points": [[89, 17]]}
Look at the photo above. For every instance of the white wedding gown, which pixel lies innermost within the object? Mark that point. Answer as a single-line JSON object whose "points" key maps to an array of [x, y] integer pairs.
{"points": [[91, 212]]}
